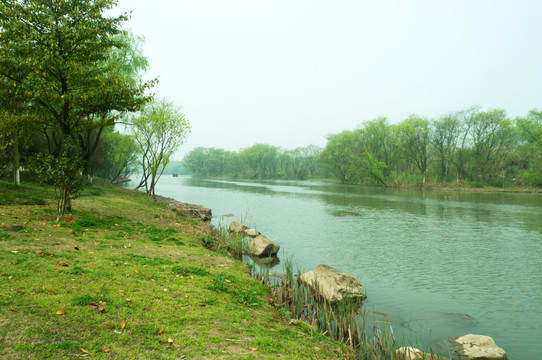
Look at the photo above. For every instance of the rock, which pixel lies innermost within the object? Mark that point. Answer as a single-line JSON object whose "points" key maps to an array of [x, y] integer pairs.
{"points": [[333, 285], [267, 262], [410, 353], [262, 247], [479, 347], [252, 232], [237, 227], [186, 210]]}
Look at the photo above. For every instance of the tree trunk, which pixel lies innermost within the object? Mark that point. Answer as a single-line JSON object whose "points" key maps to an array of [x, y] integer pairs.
{"points": [[16, 173]]}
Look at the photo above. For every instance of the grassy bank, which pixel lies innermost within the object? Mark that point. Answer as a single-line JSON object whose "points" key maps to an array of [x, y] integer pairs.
{"points": [[121, 277]]}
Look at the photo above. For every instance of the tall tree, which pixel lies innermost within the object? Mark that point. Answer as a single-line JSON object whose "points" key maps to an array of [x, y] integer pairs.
{"points": [[414, 139], [158, 131], [530, 127], [339, 156], [445, 135], [58, 59], [262, 159], [491, 134]]}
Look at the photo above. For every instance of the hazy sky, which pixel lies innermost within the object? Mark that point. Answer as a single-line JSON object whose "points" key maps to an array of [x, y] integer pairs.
{"points": [[287, 73]]}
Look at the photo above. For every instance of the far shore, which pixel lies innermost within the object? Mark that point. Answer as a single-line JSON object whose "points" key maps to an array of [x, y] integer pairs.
{"points": [[524, 190]]}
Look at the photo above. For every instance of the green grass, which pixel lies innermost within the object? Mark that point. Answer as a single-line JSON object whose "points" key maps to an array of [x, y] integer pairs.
{"points": [[120, 277]]}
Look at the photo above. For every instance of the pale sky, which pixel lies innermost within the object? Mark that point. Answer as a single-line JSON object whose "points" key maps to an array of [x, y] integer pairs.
{"points": [[289, 72]]}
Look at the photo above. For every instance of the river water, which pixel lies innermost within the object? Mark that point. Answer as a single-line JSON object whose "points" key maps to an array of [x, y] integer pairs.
{"points": [[439, 264]]}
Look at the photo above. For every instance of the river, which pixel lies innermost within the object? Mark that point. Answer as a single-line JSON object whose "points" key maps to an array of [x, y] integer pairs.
{"points": [[444, 264]]}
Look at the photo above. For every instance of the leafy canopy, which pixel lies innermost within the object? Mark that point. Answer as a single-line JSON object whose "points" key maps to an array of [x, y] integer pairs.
{"points": [[55, 59]]}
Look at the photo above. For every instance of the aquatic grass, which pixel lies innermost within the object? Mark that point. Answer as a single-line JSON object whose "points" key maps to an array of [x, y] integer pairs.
{"points": [[345, 321]]}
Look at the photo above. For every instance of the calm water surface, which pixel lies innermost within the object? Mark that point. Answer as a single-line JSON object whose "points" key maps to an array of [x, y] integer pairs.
{"points": [[441, 264]]}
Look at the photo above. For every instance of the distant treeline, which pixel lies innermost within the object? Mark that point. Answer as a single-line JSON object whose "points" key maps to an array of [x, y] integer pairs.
{"points": [[259, 161], [480, 148]]}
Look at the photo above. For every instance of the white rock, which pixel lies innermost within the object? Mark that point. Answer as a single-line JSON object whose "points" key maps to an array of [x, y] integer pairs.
{"points": [[262, 246], [333, 284], [479, 347]]}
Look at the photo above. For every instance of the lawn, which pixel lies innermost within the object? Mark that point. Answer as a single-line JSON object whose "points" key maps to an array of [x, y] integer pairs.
{"points": [[122, 277]]}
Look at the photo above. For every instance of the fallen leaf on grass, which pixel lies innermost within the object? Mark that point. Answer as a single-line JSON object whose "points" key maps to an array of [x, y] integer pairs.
{"points": [[100, 308], [159, 332], [61, 312], [86, 352], [122, 324], [107, 350], [170, 340], [64, 264], [253, 349], [12, 310], [111, 326], [147, 309], [176, 346]]}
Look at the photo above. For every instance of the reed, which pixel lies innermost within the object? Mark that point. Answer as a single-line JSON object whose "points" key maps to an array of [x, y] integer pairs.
{"points": [[345, 321]]}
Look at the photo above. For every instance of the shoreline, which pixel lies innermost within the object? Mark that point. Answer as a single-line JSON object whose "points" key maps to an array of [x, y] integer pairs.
{"points": [[519, 190]]}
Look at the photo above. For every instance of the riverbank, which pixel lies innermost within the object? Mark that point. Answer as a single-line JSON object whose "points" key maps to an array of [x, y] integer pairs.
{"points": [[462, 187], [123, 277]]}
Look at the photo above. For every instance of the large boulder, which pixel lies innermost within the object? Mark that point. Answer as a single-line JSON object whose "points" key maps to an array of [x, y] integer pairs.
{"points": [[261, 246], [479, 347], [334, 285], [237, 227], [410, 353]]}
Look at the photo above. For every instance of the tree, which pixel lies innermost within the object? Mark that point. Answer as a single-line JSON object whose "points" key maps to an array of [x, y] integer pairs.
{"points": [[444, 138], [57, 62], [413, 137], [158, 131], [530, 128], [377, 139], [132, 63], [262, 159], [115, 158], [491, 134], [55, 56], [339, 156], [63, 173]]}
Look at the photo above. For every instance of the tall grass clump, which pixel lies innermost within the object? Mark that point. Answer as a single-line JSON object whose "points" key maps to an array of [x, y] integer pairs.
{"points": [[232, 244], [344, 321]]}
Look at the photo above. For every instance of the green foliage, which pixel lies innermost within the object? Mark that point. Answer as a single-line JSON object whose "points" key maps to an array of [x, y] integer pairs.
{"points": [[115, 158], [64, 173], [256, 162], [158, 132], [339, 156], [55, 56]]}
